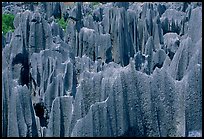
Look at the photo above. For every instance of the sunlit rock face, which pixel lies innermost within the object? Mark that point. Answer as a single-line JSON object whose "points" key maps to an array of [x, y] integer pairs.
{"points": [[118, 69]]}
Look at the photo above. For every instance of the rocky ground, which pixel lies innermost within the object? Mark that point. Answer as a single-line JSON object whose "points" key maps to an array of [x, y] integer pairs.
{"points": [[117, 69]]}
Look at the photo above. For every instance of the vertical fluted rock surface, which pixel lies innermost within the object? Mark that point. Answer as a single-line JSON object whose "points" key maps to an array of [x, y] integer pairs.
{"points": [[118, 69]]}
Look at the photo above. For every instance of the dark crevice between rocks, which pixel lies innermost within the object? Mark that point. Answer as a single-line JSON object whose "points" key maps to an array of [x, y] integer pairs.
{"points": [[22, 58], [108, 55], [27, 32], [38, 78], [44, 37], [133, 132], [41, 112], [158, 65], [74, 85], [171, 55], [62, 128], [94, 56], [109, 125]]}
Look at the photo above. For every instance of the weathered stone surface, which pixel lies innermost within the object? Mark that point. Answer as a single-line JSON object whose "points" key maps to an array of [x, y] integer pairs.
{"points": [[16, 44], [146, 106], [3, 39], [6, 93], [119, 69], [57, 10], [193, 93], [89, 22], [139, 61], [158, 34], [103, 48], [76, 15], [49, 9], [180, 108], [16, 20], [12, 117], [149, 52], [121, 41], [60, 117], [70, 37], [195, 134], [37, 36], [28, 111], [84, 127], [170, 105], [122, 5], [197, 56], [8, 37], [57, 30], [167, 62], [158, 59], [195, 30], [53, 90], [181, 59], [164, 102], [98, 14], [171, 20], [171, 43], [26, 18], [86, 43], [69, 78], [132, 28], [21, 121], [161, 9]]}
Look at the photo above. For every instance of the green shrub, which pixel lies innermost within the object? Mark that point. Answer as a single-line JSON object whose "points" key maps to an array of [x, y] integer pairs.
{"points": [[62, 23], [7, 23]]}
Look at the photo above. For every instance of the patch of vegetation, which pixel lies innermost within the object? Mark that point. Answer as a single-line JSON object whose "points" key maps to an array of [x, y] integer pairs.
{"points": [[95, 4], [7, 23], [62, 23]]}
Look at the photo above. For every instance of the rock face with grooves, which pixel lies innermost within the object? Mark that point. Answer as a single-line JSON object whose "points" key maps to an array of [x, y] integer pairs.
{"points": [[118, 69], [171, 20], [195, 30], [21, 120], [60, 117], [57, 30]]}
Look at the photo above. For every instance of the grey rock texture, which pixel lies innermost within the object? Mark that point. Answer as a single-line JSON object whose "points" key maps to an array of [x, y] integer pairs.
{"points": [[57, 30], [171, 20], [117, 70], [193, 97], [171, 43], [3, 41], [196, 16], [60, 117], [181, 59], [21, 117], [8, 37]]}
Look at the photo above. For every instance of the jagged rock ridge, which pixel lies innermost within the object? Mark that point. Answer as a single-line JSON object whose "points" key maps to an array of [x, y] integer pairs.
{"points": [[118, 69]]}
